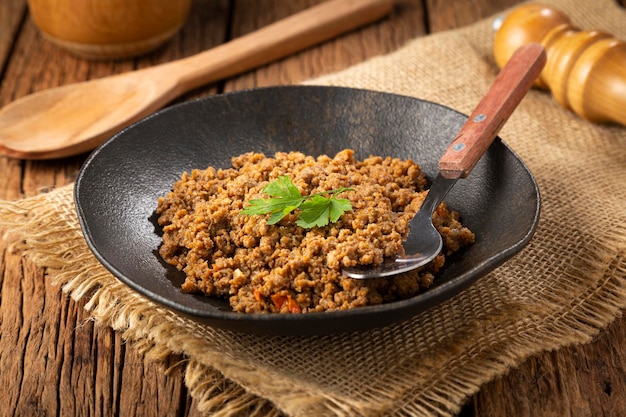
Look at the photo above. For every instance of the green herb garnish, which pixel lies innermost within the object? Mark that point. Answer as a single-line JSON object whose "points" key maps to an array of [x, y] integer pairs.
{"points": [[317, 209]]}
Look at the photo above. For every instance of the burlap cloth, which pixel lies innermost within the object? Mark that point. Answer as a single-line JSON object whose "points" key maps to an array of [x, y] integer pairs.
{"points": [[565, 286]]}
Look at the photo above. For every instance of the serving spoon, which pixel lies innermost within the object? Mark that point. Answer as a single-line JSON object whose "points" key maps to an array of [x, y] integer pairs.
{"points": [[424, 242], [75, 118]]}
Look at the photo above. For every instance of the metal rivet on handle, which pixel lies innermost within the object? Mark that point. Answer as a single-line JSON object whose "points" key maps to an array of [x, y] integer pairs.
{"points": [[458, 147], [479, 118]]}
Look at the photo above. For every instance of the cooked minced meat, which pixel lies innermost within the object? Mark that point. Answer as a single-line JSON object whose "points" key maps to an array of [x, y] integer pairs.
{"points": [[283, 267]]}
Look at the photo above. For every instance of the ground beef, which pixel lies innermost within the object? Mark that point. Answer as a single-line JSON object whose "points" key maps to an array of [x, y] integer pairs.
{"points": [[283, 267]]}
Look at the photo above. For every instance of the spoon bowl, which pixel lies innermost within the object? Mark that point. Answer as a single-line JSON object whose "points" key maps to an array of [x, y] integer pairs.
{"points": [[38, 125], [424, 242]]}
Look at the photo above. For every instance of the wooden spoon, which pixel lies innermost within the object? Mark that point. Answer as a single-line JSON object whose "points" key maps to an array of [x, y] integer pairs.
{"points": [[75, 118]]}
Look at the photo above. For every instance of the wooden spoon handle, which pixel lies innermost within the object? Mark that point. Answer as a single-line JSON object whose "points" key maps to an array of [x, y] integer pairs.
{"points": [[275, 41], [493, 110]]}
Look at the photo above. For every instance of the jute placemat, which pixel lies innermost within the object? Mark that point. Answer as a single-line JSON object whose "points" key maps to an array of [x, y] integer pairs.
{"points": [[565, 286]]}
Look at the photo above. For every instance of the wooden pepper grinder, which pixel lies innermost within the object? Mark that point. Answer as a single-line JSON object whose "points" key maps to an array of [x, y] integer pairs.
{"points": [[585, 70]]}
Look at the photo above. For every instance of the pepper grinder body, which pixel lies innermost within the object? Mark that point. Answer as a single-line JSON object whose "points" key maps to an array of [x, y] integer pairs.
{"points": [[585, 70]]}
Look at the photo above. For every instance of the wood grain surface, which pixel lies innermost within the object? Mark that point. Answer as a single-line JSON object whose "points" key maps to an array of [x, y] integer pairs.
{"points": [[54, 361]]}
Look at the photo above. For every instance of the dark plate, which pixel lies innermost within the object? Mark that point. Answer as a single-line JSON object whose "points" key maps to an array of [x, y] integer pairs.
{"points": [[118, 186]]}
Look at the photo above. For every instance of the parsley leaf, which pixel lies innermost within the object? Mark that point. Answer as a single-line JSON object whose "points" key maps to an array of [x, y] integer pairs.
{"points": [[315, 212], [282, 187], [315, 209], [287, 199], [318, 210]]}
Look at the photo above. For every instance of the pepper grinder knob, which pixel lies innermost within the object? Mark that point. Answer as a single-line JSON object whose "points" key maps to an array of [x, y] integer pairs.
{"points": [[585, 70]]}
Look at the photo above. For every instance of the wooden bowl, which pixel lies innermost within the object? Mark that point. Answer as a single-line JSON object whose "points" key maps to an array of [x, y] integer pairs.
{"points": [[109, 29]]}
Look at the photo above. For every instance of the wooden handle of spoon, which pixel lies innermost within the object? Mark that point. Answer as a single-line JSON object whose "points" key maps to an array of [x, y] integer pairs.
{"points": [[282, 38], [493, 110]]}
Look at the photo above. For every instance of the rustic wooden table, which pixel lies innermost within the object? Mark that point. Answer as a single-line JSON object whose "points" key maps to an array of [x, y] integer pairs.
{"points": [[55, 362]]}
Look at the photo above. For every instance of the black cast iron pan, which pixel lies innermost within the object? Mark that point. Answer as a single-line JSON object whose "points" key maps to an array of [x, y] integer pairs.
{"points": [[118, 186]]}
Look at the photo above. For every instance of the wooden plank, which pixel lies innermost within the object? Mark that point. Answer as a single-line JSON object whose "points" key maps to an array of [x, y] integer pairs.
{"points": [[588, 380], [376, 39], [11, 15], [56, 361]]}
